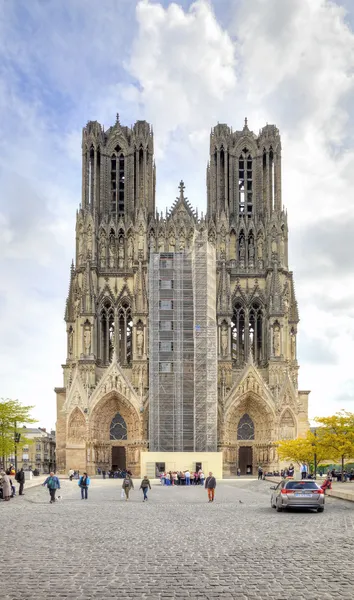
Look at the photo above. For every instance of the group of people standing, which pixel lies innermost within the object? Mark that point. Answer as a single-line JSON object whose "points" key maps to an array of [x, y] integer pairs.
{"points": [[182, 478], [7, 487]]}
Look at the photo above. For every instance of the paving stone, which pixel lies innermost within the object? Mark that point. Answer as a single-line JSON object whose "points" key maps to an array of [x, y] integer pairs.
{"points": [[175, 546]]}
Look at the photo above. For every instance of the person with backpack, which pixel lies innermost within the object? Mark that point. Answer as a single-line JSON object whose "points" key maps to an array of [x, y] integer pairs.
{"points": [[145, 485], [210, 485], [84, 482], [53, 484], [127, 486]]}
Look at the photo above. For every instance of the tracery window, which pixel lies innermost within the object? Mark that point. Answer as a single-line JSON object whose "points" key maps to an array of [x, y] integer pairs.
{"points": [[256, 331], [125, 333], [106, 332], [245, 183], [245, 428], [238, 334], [118, 430], [117, 181]]}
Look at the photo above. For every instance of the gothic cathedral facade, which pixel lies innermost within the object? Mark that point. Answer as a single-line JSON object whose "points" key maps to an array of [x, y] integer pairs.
{"points": [[103, 406]]}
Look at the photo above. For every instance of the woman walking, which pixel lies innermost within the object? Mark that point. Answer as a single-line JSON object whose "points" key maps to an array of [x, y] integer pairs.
{"points": [[53, 484], [145, 485], [84, 482], [6, 486], [127, 486]]}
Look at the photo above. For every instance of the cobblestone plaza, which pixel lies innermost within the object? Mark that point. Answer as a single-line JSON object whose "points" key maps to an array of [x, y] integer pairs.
{"points": [[174, 546]]}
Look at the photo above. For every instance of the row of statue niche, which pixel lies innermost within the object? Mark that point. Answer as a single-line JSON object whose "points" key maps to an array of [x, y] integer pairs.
{"points": [[251, 250], [84, 241]]}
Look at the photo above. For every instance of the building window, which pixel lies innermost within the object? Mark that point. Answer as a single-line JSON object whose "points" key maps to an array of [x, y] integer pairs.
{"points": [[166, 325], [245, 429], [166, 346], [38, 446], [166, 304], [118, 429], [166, 367], [245, 183], [166, 263], [166, 284]]}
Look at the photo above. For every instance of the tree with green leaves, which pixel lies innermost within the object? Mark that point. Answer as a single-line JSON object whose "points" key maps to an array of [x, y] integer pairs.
{"points": [[337, 433], [12, 415]]}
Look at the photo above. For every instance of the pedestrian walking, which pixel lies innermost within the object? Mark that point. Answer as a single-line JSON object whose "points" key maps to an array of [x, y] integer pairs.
{"points": [[20, 478], [5, 485], [201, 477], [53, 484], [291, 470], [71, 474], [84, 482], [188, 477], [104, 474], [260, 472], [210, 485], [303, 471], [145, 486], [127, 486]]}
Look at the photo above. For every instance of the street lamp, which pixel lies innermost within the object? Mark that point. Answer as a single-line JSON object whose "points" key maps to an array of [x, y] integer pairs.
{"points": [[315, 455], [17, 437]]}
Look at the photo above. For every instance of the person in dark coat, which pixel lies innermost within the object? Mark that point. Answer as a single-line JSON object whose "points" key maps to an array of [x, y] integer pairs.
{"points": [[210, 485], [145, 485], [20, 478], [84, 482]]}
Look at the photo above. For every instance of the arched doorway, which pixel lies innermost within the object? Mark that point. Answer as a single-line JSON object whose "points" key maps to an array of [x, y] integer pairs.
{"points": [[116, 434], [249, 432]]}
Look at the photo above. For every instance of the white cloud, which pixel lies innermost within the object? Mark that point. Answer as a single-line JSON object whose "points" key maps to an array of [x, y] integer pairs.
{"points": [[278, 61]]}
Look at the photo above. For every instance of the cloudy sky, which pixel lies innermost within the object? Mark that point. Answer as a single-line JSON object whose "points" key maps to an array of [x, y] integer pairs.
{"points": [[182, 66]]}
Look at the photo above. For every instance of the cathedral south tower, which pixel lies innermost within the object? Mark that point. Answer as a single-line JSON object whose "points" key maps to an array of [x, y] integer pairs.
{"points": [[120, 291]]}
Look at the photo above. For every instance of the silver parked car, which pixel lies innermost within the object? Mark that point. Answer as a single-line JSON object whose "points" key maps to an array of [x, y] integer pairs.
{"points": [[297, 494]]}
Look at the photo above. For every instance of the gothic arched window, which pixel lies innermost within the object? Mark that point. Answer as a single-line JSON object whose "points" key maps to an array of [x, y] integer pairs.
{"points": [[125, 333], [238, 334], [90, 175], [245, 183], [245, 428], [118, 429], [117, 181], [256, 330], [106, 337]]}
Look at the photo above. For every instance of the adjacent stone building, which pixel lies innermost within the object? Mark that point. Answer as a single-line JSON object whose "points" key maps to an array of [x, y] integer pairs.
{"points": [[103, 406]]}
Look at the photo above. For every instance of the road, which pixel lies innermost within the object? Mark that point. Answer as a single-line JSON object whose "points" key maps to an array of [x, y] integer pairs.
{"points": [[176, 545]]}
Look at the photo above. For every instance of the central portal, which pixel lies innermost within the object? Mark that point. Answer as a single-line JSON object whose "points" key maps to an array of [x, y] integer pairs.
{"points": [[245, 460], [119, 460]]}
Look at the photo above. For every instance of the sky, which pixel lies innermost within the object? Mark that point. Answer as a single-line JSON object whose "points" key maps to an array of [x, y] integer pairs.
{"points": [[184, 67]]}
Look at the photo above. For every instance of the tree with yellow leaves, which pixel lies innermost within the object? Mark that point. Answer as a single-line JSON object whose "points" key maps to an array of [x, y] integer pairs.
{"points": [[337, 434], [303, 450]]}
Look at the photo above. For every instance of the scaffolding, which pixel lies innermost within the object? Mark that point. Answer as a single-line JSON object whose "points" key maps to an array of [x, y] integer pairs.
{"points": [[182, 350]]}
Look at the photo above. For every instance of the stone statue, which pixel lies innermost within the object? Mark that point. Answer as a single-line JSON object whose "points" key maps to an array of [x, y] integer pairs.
{"points": [[224, 339], [161, 242], [139, 341], [242, 250], [89, 241], [103, 252], [274, 246], [293, 346], [121, 253], [152, 242], [182, 241], [276, 341], [260, 247], [130, 251], [70, 342], [87, 339], [282, 249], [141, 239], [111, 252], [172, 243], [251, 251]]}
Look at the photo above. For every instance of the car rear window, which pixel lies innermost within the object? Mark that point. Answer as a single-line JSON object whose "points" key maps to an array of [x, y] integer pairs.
{"points": [[300, 485]]}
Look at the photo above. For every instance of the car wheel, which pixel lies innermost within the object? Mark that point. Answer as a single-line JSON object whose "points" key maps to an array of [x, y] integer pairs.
{"points": [[320, 509], [278, 507]]}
